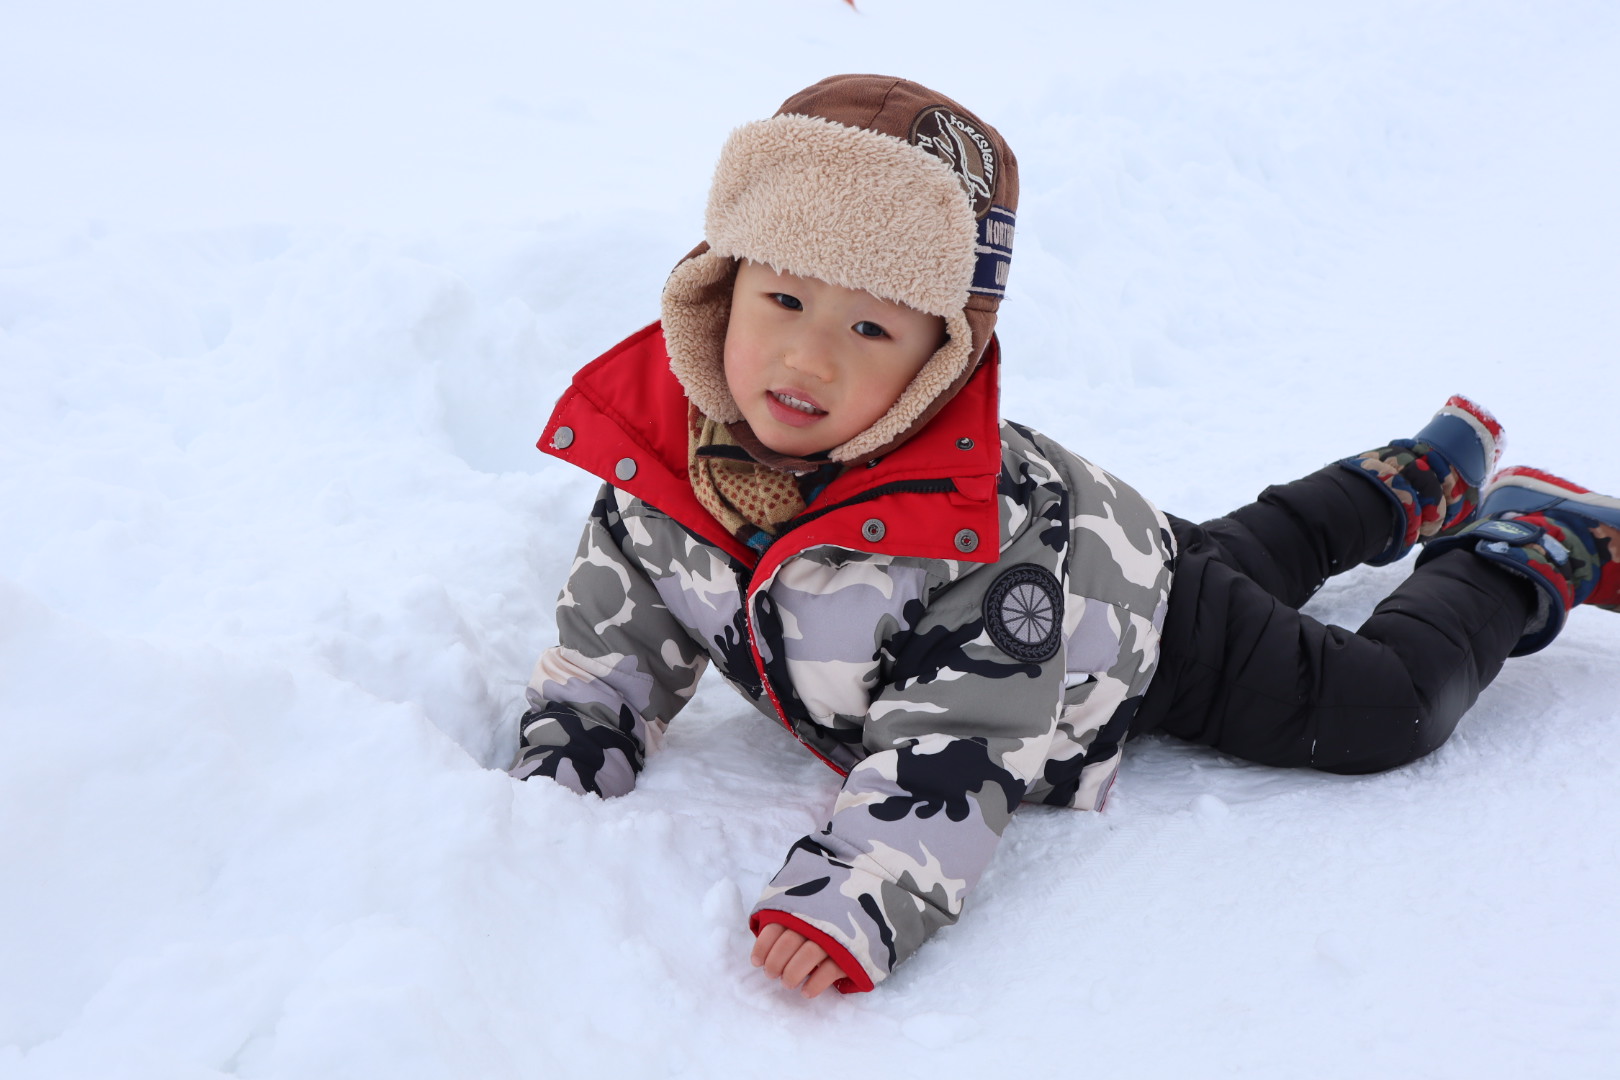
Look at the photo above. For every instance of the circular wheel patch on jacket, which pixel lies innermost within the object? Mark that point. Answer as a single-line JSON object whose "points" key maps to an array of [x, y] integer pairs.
{"points": [[1024, 613]]}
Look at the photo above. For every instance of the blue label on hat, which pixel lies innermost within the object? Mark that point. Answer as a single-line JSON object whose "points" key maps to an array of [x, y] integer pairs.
{"points": [[994, 252]]}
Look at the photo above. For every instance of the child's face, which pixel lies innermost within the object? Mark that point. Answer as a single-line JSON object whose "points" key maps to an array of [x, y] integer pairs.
{"points": [[811, 364]]}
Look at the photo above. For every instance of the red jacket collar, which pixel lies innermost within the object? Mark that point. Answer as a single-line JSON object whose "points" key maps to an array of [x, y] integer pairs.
{"points": [[624, 419]]}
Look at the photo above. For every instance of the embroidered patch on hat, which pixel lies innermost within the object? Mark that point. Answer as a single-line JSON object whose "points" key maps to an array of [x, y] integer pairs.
{"points": [[959, 143], [1023, 611]]}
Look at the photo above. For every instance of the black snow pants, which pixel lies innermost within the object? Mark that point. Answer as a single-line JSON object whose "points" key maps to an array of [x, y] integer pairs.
{"points": [[1242, 671]]}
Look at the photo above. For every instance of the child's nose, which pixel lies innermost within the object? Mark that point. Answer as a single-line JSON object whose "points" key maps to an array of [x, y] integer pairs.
{"points": [[811, 353]]}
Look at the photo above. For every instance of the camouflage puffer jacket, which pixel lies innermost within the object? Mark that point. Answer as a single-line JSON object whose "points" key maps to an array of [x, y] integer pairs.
{"points": [[966, 624]]}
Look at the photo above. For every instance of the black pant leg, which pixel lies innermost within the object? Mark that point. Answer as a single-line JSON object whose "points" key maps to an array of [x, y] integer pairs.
{"points": [[1246, 673], [1295, 536]]}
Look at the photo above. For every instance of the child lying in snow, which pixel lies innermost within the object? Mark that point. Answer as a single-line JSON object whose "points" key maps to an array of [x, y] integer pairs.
{"points": [[808, 483]]}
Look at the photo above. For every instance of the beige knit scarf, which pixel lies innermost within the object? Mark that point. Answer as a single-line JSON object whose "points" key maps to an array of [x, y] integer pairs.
{"points": [[751, 500]]}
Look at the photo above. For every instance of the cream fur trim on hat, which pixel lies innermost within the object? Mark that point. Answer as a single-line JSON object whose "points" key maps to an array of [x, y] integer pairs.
{"points": [[849, 206]]}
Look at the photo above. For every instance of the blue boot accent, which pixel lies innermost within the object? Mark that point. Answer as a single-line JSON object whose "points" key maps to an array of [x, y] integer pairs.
{"points": [[1433, 480]]}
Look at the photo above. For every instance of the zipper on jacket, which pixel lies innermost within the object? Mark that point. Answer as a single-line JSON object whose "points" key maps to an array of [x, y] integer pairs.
{"points": [[944, 485]]}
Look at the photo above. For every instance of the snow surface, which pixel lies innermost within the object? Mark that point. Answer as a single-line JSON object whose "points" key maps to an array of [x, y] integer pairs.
{"points": [[286, 291]]}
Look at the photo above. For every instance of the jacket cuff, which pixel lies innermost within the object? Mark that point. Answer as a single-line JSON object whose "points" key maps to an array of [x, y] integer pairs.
{"points": [[855, 981], [587, 757]]}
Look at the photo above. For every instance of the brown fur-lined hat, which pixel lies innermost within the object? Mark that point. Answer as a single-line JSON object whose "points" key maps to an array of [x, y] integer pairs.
{"points": [[868, 182]]}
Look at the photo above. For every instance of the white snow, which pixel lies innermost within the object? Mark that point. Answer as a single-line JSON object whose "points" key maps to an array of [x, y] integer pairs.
{"points": [[286, 292]]}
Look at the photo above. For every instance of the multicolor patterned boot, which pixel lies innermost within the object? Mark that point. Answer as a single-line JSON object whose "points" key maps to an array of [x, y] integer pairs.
{"points": [[1433, 479], [1564, 538]]}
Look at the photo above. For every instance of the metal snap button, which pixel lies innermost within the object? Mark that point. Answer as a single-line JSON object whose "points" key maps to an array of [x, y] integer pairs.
{"points": [[563, 438], [967, 540], [964, 443], [873, 530], [625, 469]]}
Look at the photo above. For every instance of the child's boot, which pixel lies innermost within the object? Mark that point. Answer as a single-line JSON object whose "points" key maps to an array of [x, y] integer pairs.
{"points": [[1562, 537], [1433, 479]]}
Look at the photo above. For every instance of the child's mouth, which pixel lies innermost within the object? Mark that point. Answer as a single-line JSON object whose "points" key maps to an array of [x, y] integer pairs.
{"points": [[790, 409]]}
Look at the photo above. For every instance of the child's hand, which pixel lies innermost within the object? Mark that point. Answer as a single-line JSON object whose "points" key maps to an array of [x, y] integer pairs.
{"points": [[789, 956]]}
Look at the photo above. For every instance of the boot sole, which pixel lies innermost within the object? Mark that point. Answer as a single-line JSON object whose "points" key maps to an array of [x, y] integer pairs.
{"points": [[1531, 491]]}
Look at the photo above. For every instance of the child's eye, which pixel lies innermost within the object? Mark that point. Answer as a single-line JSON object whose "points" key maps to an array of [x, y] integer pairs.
{"points": [[866, 328], [792, 303]]}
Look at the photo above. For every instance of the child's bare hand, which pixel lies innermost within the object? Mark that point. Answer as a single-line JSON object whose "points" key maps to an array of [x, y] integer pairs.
{"points": [[791, 957]]}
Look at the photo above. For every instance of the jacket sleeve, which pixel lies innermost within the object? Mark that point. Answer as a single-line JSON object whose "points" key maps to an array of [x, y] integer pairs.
{"points": [[955, 733], [623, 667]]}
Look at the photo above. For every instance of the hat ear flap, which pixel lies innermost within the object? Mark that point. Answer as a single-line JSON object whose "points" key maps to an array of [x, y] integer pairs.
{"points": [[696, 310]]}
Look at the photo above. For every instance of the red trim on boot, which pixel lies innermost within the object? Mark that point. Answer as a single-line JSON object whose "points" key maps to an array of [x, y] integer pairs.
{"points": [[1544, 476], [1483, 415], [1606, 594]]}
